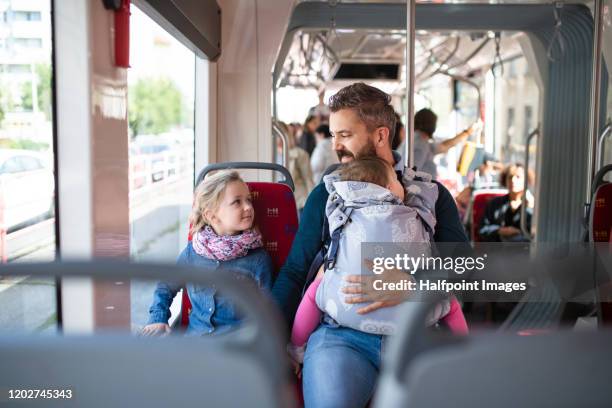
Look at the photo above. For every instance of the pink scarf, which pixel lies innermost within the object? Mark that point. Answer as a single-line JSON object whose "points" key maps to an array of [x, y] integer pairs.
{"points": [[208, 244]]}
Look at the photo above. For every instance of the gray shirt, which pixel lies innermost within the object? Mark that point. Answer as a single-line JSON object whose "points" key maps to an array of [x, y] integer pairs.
{"points": [[424, 152]]}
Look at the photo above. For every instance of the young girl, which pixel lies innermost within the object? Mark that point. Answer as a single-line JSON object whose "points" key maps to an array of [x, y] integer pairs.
{"points": [[368, 204], [223, 239]]}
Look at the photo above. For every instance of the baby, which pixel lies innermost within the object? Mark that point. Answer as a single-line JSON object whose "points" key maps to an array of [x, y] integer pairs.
{"points": [[367, 203]]}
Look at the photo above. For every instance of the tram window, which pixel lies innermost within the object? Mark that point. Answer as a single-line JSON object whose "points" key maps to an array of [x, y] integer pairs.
{"points": [[161, 103], [27, 185]]}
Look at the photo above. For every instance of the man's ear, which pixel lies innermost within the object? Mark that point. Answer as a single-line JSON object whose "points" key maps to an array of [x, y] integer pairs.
{"points": [[382, 136]]}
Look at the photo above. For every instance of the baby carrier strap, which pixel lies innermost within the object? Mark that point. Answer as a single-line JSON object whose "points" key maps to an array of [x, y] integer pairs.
{"points": [[327, 241], [335, 236]]}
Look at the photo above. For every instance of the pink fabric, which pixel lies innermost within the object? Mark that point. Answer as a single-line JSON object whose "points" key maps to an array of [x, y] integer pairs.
{"points": [[307, 317], [208, 244], [455, 319]]}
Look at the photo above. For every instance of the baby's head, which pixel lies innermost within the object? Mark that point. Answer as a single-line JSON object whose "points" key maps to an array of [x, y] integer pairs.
{"points": [[373, 169], [223, 202]]}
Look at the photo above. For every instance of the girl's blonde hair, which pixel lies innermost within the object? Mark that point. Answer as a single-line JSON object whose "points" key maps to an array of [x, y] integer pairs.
{"points": [[208, 195]]}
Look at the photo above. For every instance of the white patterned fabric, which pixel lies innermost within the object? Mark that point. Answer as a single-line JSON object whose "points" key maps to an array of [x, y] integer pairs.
{"points": [[375, 215]]}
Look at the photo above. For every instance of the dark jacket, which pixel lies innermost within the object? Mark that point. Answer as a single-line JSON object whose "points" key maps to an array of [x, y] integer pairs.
{"points": [[307, 142], [499, 214]]}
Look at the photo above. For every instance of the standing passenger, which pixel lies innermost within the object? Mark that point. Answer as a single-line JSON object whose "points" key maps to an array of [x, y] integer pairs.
{"points": [[307, 139], [299, 168], [425, 149], [323, 154]]}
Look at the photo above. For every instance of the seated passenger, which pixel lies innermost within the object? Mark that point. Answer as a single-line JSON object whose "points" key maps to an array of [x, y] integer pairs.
{"points": [[502, 219], [367, 192], [223, 238], [341, 365]]}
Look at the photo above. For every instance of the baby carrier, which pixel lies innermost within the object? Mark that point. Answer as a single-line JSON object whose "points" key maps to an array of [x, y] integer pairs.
{"points": [[360, 212]]}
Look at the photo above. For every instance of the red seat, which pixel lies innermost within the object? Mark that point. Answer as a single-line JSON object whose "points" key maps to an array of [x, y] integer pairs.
{"points": [[276, 218], [480, 199], [601, 221], [601, 231]]}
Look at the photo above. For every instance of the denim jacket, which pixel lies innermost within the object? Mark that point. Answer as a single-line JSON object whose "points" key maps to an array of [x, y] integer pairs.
{"points": [[210, 312]]}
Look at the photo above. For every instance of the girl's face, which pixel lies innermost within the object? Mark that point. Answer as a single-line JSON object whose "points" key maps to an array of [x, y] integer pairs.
{"points": [[235, 212]]}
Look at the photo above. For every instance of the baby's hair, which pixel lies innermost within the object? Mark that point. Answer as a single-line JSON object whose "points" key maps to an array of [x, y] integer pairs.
{"points": [[369, 169], [208, 195]]}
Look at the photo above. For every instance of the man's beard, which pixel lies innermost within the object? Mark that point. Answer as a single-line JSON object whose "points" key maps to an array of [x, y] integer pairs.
{"points": [[368, 150]]}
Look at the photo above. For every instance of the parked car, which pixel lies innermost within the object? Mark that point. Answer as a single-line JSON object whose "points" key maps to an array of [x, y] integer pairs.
{"points": [[162, 157], [27, 188]]}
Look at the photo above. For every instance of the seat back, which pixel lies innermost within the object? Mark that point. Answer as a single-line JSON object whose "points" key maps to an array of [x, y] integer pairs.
{"points": [[480, 199], [276, 218], [562, 369], [173, 371]]}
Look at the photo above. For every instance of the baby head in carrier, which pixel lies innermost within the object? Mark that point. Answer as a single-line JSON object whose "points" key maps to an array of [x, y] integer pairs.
{"points": [[373, 169]]}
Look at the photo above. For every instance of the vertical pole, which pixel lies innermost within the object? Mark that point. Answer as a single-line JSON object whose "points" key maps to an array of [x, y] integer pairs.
{"points": [[410, 40], [595, 98]]}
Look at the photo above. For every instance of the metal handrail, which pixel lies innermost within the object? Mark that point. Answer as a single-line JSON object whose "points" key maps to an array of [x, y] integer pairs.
{"points": [[248, 165], [279, 133], [410, 40], [595, 97], [600, 145], [524, 230]]}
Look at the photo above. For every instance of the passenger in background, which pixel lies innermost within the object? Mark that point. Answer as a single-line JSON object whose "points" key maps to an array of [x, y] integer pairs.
{"points": [[323, 154], [425, 149], [297, 129], [223, 239], [307, 140], [400, 136], [502, 219], [299, 168], [321, 110]]}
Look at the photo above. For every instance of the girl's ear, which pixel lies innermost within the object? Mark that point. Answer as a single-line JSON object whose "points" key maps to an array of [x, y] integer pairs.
{"points": [[209, 215]]}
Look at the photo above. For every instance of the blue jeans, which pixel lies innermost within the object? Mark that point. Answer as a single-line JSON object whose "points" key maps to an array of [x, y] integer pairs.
{"points": [[340, 367]]}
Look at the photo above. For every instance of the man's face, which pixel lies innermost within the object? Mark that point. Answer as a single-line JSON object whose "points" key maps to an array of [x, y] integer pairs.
{"points": [[351, 138]]}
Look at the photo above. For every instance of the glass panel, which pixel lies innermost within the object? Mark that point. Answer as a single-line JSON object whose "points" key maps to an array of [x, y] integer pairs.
{"points": [[27, 186], [161, 126]]}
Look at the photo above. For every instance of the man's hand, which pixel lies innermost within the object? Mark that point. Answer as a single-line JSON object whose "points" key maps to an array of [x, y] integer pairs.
{"points": [[361, 289]]}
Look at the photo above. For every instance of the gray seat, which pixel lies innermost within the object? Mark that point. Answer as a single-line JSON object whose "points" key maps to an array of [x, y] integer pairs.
{"points": [[242, 368], [562, 369]]}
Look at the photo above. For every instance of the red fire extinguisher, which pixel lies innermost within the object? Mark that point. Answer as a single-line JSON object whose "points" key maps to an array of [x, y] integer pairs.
{"points": [[122, 35], [121, 9]]}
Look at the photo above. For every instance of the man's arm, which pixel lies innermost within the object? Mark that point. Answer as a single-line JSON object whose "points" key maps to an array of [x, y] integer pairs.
{"points": [[292, 276]]}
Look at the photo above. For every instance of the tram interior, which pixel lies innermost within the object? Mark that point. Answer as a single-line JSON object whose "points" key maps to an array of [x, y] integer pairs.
{"points": [[212, 84]]}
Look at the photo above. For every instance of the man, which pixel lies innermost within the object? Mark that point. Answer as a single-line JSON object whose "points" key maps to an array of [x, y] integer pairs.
{"points": [[425, 149], [341, 365]]}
